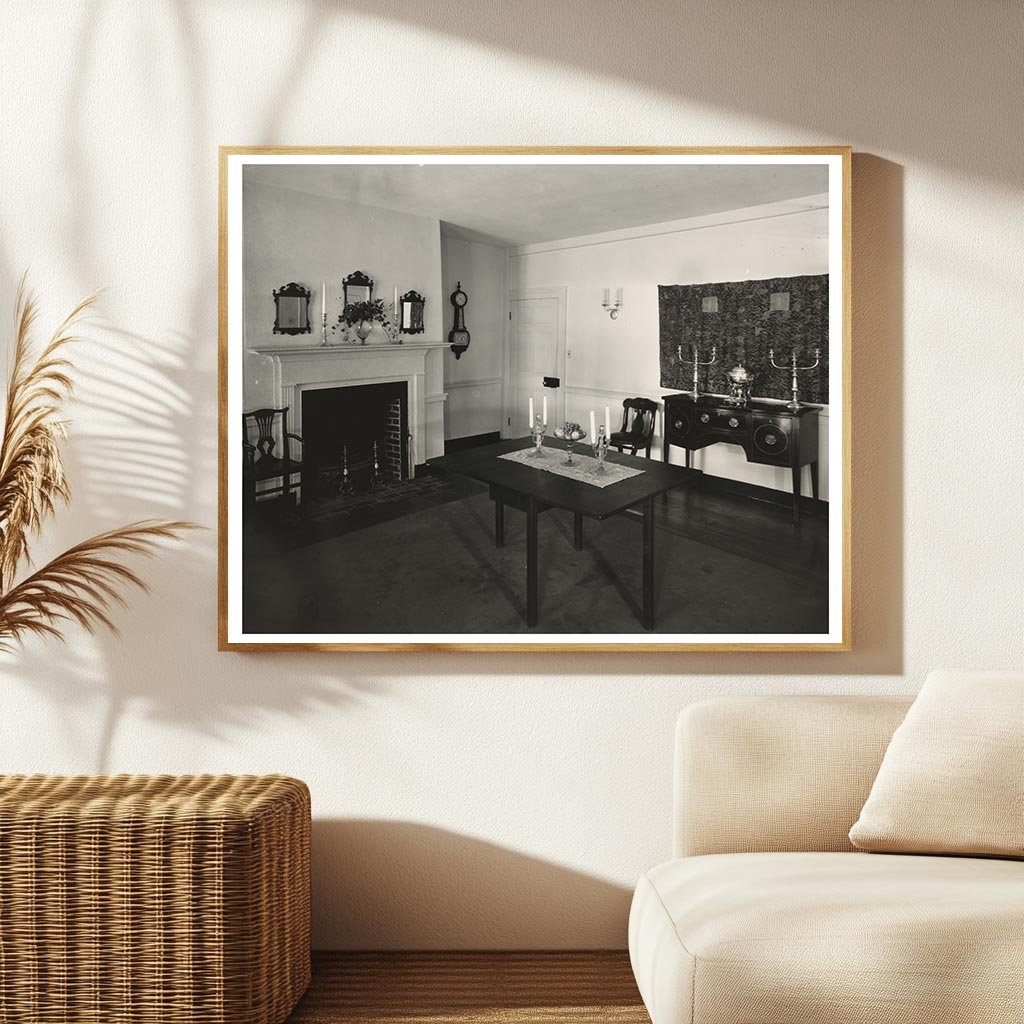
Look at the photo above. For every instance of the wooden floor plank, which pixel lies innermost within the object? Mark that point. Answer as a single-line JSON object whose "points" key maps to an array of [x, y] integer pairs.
{"points": [[472, 988]]}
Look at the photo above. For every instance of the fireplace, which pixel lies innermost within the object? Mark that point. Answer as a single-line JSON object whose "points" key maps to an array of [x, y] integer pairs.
{"points": [[355, 437], [414, 368]]}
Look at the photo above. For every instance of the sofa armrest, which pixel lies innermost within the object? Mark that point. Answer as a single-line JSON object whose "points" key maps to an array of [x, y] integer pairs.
{"points": [[765, 774]]}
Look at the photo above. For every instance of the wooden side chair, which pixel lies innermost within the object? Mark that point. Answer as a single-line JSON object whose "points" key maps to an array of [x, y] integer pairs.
{"points": [[261, 461], [637, 430]]}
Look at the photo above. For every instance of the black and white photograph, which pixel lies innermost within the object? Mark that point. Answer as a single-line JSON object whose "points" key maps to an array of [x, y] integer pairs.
{"points": [[535, 399]]}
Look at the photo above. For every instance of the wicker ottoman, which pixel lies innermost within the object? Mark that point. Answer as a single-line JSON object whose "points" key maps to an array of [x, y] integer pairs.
{"points": [[133, 899]]}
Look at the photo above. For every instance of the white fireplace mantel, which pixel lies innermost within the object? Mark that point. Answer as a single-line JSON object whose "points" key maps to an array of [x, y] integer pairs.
{"points": [[298, 368]]}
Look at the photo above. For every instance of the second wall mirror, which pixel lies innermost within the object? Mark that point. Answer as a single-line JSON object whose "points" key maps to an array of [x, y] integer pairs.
{"points": [[358, 287]]}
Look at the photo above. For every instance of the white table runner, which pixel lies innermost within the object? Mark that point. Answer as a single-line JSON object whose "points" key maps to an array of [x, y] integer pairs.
{"points": [[582, 468]]}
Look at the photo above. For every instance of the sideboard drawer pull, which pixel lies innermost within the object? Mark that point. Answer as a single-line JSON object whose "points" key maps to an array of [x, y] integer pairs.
{"points": [[733, 422]]}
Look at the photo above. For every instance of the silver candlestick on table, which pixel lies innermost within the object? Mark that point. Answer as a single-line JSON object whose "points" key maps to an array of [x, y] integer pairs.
{"points": [[537, 433], [697, 364], [600, 448], [795, 370]]}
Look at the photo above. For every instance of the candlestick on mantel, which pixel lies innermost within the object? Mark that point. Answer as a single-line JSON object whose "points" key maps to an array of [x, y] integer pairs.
{"points": [[545, 410], [398, 314], [323, 301]]}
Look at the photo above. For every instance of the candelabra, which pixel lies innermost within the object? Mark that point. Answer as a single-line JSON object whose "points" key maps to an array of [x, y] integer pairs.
{"points": [[795, 370], [537, 433], [600, 448], [697, 364]]}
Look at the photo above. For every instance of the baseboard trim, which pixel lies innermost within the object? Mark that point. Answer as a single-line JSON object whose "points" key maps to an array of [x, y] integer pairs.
{"points": [[461, 444], [742, 489]]}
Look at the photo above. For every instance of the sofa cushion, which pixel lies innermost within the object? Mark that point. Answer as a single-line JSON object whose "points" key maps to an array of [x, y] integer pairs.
{"points": [[952, 778], [833, 938], [777, 774]]}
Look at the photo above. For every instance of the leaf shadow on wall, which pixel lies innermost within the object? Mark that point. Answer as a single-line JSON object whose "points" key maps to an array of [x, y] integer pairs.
{"points": [[450, 884]]}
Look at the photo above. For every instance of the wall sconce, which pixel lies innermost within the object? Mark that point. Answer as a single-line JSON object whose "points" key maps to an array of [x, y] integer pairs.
{"points": [[612, 308], [709, 304]]}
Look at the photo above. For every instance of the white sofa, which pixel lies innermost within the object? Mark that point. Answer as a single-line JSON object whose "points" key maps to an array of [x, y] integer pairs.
{"points": [[767, 914]]}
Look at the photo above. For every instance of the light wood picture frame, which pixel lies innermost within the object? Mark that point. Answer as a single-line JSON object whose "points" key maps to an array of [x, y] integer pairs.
{"points": [[283, 379]]}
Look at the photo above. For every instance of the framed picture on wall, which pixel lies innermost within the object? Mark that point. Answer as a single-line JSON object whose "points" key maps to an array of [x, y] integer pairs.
{"points": [[646, 446]]}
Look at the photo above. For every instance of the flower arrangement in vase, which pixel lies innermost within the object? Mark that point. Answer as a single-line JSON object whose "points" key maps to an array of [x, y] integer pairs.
{"points": [[362, 316]]}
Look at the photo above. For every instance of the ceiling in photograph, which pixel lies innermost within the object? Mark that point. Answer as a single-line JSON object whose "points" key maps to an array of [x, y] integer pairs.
{"points": [[521, 204]]}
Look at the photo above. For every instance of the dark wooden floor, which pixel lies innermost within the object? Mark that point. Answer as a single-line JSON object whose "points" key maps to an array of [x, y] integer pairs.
{"points": [[471, 988], [724, 564]]}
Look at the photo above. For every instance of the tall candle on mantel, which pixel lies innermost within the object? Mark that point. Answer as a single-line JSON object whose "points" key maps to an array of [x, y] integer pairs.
{"points": [[593, 426], [323, 285], [545, 410], [531, 412]]}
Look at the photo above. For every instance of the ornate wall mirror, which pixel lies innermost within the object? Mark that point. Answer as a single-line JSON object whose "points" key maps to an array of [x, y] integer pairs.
{"points": [[291, 309], [412, 313], [358, 287]]}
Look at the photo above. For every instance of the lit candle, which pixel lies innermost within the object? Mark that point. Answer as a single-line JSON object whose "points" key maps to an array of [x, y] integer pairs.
{"points": [[545, 408], [607, 420], [531, 412], [593, 426]]}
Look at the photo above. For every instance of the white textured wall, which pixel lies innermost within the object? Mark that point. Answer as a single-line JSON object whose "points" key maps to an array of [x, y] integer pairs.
{"points": [[488, 799]]}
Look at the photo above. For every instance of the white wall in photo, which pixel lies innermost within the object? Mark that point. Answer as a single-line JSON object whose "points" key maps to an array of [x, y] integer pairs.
{"points": [[489, 800], [290, 235], [608, 360], [474, 380]]}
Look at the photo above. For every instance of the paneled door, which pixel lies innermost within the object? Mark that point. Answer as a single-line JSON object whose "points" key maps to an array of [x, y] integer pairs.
{"points": [[537, 351]]}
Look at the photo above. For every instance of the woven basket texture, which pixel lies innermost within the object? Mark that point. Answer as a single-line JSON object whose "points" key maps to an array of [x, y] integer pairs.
{"points": [[153, 899]]}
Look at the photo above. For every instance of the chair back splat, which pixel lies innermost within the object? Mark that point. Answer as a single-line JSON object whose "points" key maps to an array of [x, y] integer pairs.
{"points": [[637, 430], [262, 462]]}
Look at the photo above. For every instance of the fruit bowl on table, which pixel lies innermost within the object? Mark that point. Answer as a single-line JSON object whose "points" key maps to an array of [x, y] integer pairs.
{"points": [[570, 433]]}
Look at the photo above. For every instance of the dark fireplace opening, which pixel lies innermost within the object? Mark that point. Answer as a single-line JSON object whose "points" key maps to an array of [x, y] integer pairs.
{"points": [[355, 438]]}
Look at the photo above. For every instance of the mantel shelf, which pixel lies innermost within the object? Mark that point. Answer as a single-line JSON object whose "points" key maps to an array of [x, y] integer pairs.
{"points": [[305, 351]]}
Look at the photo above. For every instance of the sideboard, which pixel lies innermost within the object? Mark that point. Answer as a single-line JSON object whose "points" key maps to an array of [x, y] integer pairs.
{"points": [[770, 434]]}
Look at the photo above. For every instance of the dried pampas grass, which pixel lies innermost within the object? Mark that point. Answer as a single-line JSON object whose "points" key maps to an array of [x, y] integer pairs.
{"points": [[84, 582]]}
